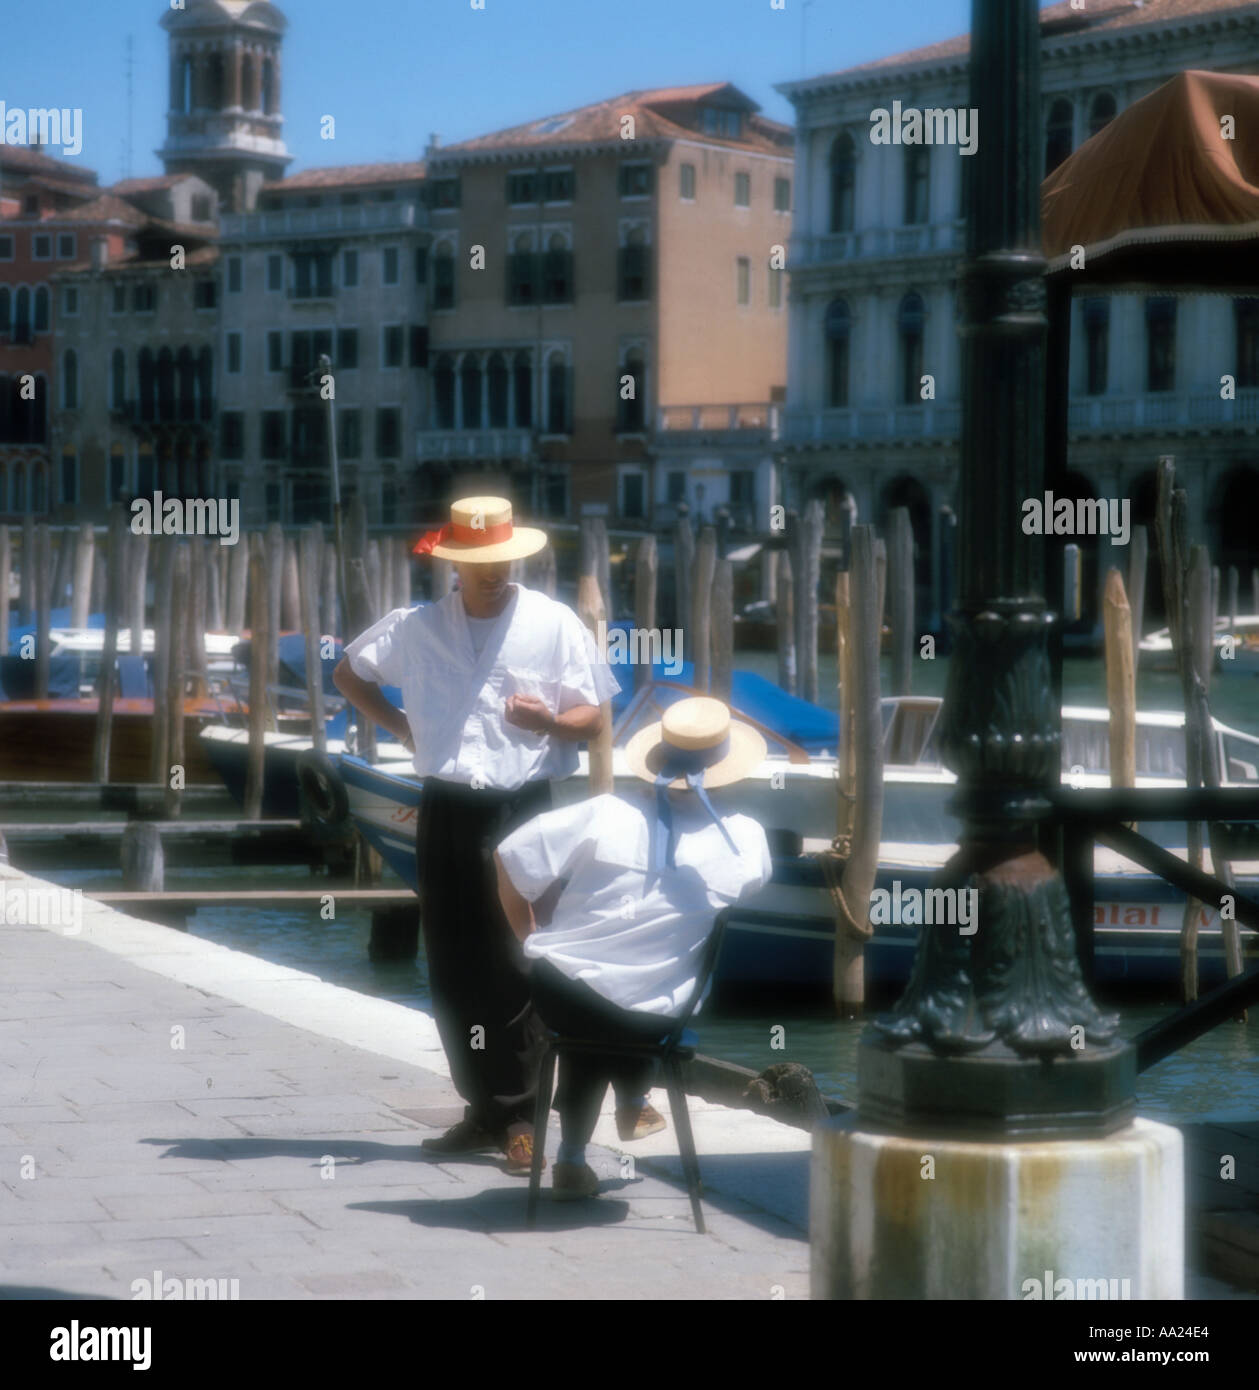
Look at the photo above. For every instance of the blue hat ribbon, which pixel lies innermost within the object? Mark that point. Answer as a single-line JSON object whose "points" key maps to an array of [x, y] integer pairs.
{"points": [[689, 763]]}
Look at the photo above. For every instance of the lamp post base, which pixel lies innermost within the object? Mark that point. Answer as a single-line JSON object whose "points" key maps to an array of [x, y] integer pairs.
{"points": [[899, 1216]]}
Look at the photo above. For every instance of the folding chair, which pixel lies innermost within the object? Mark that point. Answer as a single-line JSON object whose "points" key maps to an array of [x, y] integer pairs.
{"points": [[671, 1051]]}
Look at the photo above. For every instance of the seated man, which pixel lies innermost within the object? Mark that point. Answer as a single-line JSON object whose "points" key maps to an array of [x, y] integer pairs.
{"points": [[646, 875]]}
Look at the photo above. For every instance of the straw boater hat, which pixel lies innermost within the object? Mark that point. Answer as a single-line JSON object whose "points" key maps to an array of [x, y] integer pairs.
{"points": [[480, 529], [694, 735]]}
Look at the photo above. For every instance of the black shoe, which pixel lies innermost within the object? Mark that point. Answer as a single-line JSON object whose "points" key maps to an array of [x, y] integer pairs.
{"points": [[466, 1137]]}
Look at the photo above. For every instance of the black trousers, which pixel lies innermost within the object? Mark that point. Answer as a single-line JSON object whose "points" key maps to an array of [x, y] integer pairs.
{"points": [[476, 968], [572, 1008]]}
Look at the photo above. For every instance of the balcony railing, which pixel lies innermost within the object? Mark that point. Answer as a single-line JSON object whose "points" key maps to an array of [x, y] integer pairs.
{"points": [[472, 444], [928, 421], [878, 242], [720, 423], [1193, 411], [287, 222], [1189, 411]]}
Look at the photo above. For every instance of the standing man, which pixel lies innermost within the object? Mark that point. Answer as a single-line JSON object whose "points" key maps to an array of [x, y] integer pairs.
{"points": [[500, 684]]}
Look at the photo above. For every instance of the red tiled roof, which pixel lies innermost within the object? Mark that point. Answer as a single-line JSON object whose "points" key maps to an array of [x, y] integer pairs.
{"points": [[601, 122], [74, 190], [1099, 16], [106, 208], [150, 185], [23, 159], [347, 176]]}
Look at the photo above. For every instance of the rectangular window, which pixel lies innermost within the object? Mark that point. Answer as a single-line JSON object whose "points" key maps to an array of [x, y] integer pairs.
{"points": [[782, 195], [388, 432], [675, 483], [273, 434], [70, 301], [205, 294], [1097, 340], [389, 265], [6, 248], [444, 282], [69, 478], [65, 246], [1160, 323], [522, 278], [632, 273], [558, 186], [634, 180], [349, 269], [917, 185], [633, 497], [118, 300], [275, 273], [235, 275], [350, 432], [776, 288], [421, 265], [232, 434], [557, 276], [312, 274], [347, 349], [391, 345], [686, 182], [744, 280], [419, 345], [275, 351], [1247, 315], [522, 188], [41, 247], [444, 193], [233, 352], [144, 299], [743, 190]]}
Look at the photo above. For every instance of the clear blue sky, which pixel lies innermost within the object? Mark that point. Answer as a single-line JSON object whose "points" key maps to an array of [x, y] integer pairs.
{"points": [[392, 71]]}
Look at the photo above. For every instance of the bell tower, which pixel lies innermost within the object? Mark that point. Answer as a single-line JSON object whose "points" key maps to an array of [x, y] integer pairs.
{"points": [[224, 121]]}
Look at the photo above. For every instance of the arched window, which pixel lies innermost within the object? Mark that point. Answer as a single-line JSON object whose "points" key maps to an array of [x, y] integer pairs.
{"points": [[838, 328], [186, 374], [144, 469], [166, 385], [631, 412], [1059, 134], [118, 380], [557, 393], [147, 385], [6, 309], [22, 315], [39, 485], [497, 374], [70, 380], [1160, 327], [184, 95], [19, 487], [843, 183], [909, 323], [444, 277], [268, 87], [444, 393], [248, 86], [557, 271], [522, 371], [470, 385], [1101, 112], [41, 309], [205, 384]]}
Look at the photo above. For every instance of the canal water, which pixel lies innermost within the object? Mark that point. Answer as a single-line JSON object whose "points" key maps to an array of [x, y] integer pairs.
{"points": [[1216, 1075]]}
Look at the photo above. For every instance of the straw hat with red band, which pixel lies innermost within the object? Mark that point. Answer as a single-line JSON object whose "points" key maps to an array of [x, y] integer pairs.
{"points": [[480, 530]]}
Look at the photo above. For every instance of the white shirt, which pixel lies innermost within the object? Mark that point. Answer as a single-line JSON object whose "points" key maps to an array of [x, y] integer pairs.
{"points": [[454, 697], [638, 945]]}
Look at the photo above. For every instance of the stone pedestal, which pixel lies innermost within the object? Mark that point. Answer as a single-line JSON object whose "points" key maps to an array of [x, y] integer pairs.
{"points": [[899, 1217]]}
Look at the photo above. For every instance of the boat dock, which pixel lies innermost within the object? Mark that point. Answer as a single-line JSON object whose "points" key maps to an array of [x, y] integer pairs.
{"points": [[195, 1110]]}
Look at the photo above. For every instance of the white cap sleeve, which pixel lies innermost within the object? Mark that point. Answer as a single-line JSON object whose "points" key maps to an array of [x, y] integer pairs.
{"points": [[376, 654], [547, 848], [586, 677]]}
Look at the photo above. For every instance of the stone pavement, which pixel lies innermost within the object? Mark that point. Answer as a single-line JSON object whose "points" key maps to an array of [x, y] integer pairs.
{"points": [[167, 1104]]}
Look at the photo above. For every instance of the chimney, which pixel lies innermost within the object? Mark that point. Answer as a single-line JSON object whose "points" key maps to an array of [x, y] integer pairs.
{"points": [[100, 252]]}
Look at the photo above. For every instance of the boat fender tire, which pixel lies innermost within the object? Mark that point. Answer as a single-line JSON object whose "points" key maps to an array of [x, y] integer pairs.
{"points": [[323, 793]]}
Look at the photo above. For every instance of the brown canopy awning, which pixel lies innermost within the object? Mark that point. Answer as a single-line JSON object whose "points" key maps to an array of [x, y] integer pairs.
{"points": [[1160, 196]]}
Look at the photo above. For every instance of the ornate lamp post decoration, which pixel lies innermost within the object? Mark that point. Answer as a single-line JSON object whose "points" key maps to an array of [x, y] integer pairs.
{"points": [[996, 1034]]}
